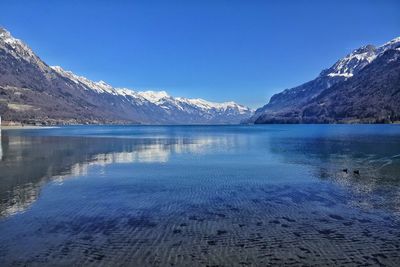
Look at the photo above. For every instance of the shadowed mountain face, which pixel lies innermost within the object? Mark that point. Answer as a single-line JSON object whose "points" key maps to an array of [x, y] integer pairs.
{"points": [[362, 87], [33, 92]]}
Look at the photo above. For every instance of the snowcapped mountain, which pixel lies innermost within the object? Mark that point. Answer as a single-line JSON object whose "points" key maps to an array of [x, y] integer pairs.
{"points": [[165, 101], [178, 107], [154, 96], [342, 70], [99, 87], [294, 105], [358, 59], [353, 62], [33, 92], [18, 49]]}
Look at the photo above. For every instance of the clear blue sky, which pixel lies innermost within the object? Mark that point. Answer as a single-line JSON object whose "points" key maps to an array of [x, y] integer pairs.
{"points": [[218, 50]]}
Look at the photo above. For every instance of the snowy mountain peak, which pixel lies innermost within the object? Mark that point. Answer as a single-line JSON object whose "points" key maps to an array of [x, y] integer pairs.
{"points": [[392, 44], [209, 105], [358, 59], [353, 62], [99, 87], [154, 96], [7, 38], [221, 107], [103, 83], [17, 48], [4, 33]]}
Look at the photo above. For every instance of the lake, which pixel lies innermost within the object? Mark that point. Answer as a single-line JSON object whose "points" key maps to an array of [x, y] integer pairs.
{"points": [[200, 195]]}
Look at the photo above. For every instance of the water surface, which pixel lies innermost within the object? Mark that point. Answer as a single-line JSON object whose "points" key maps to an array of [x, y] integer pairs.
{"points": [[200, 195]]}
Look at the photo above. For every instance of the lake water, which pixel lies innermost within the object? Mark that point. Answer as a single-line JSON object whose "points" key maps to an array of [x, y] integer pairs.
{"points": [[200, 195]]}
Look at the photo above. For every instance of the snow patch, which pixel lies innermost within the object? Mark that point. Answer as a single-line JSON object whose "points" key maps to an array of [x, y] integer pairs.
{"points": [[154, 96]]}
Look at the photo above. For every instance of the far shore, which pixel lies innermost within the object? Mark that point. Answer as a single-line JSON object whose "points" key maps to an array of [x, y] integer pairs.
{"points": [[27, 127], [30, 127]]}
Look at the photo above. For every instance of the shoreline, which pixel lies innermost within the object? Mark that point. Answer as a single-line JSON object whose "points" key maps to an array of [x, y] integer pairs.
{"points": [[31, 127], [28, 127]]}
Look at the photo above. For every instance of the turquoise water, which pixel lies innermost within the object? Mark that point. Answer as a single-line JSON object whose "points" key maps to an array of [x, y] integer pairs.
{"points": [[200, 195]]}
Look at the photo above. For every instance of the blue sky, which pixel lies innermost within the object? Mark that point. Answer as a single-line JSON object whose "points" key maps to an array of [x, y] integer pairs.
{"points": [[218, 50]]}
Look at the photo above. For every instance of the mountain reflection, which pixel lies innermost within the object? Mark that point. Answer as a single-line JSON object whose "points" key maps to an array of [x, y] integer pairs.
{"points": [[30, 162]]}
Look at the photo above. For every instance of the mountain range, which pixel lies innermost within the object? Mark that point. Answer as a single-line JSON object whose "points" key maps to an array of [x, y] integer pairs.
{"points": [[363, 87], [33, 92]]}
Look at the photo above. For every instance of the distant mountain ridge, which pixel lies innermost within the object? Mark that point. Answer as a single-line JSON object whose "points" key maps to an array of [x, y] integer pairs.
{"points": [[351, 90], [33, 92]]}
